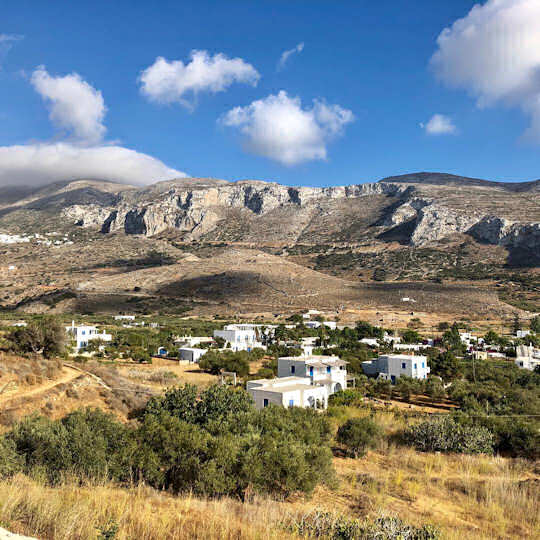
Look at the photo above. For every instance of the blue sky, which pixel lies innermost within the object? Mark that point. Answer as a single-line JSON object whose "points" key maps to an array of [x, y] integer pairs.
{"points": [[371, 59]]}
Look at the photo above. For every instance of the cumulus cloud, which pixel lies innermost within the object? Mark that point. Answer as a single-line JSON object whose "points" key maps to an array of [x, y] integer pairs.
{"points": [[494, 53], [40, 164], [74, 105], [277, 127], [170, 82], [287, 54], [79, 109], [439, 124]]}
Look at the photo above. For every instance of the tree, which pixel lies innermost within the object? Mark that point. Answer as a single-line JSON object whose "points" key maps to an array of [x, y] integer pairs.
{"points": [[535, 324], [452, 339], [46, 336], [359, 434], [446, 366], [411, 336], [492, 338]]}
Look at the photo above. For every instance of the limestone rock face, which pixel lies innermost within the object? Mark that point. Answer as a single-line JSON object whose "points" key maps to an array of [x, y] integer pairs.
{"points": [[435, 222], [495, 230], [425, 207]]}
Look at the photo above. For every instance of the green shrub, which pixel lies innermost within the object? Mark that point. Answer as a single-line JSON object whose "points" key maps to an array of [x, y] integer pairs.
{"points": [[446, 435], [359, 434], [338, 527]]}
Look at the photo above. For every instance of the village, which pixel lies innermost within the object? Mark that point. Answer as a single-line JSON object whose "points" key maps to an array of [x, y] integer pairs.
{"points": [[301, 361]]}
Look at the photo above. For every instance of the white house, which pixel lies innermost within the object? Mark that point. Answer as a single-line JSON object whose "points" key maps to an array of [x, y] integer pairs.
{"points": [[192, 341], [311, 313], [241, 337], [387, 338], [370, 342], [327, 371], [409, 346], [288, 392], [191, 354], [393, 366], [527, 357], [82, 334], [523, 333], [332, 325], [124, 317]]}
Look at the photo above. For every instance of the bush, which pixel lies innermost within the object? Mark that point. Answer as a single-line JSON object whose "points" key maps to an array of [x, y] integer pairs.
{"points": [[10, 461], [338, 527], [446, 435], [46, 336], [359, 434]]}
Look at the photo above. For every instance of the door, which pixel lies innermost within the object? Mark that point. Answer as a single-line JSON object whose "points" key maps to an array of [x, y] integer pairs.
{"points": [[393, 379]]}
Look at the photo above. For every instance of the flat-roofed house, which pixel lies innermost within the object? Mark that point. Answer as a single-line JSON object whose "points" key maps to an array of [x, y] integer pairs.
{"points": [[393, 366], [191, 354], [527, 357], [83, 333], [241, 337], [328, 371], [288, 392]]}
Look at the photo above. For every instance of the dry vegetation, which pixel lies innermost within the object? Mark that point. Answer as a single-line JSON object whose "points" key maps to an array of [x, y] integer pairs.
{"points": [[465, 496]]}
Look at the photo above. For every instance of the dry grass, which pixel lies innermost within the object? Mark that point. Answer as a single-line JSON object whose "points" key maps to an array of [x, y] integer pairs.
{"points": [[466, 496], [477, 497], [75, 513]]}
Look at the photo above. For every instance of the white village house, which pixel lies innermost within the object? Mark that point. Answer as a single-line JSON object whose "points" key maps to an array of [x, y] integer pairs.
{"points": [[82, 334], [392, 366], [288, 392], [527, 357], [191, 354], [328, 371], [242, 337], [301, 382]]}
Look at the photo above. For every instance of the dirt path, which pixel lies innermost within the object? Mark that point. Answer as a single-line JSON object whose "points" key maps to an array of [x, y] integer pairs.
{"points": [[68, 374]]}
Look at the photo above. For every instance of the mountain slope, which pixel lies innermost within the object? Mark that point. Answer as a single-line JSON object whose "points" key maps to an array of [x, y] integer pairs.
{"points": [[423, 209]]}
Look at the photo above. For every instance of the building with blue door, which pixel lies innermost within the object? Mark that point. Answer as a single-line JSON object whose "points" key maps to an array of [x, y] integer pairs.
{"points": [[327, 371], [393, 366], [288, 392]]}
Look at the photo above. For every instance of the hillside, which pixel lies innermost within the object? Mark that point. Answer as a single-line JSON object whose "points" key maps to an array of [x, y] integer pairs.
{"points": [[295, 246]]}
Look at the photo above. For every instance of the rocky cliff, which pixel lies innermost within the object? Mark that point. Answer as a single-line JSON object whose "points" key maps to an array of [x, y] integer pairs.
{"points": [[430, 207]]}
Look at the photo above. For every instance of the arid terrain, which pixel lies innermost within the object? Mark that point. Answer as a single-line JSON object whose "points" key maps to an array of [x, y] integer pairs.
{"points": [[210, 246]]}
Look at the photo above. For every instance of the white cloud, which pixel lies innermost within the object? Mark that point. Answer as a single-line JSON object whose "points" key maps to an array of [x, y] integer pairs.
{"points": [[494, 53], [74, 105], [39, 164], [287, 54], [277, 127], [169, 82], [439, 124]]}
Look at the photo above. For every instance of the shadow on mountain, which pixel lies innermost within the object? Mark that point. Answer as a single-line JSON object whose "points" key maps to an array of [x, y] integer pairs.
{"points": [[226, 286], [520, 257], [400, 233], [57, 201]]}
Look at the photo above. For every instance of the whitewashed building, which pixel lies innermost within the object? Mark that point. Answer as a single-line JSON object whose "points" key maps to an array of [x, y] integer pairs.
{"points": [[527, 357], [124, 317], [241, 337], [83, 334], [191, 354], [288, 392], [327, 371], [393, 366]]}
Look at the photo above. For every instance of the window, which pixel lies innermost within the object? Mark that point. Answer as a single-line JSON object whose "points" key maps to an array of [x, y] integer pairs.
{"points": [[291, 402], [293, 369], [328, 369], [265, 402], [415, 366], [403, 365], [423, 364], [311, 370], [83, 332]]}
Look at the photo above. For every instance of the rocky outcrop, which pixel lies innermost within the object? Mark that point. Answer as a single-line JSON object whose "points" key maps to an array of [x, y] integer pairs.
{"points": [[426, 208], [435, 222], [500, 231]]}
